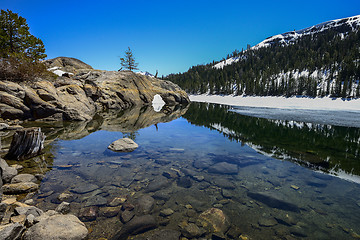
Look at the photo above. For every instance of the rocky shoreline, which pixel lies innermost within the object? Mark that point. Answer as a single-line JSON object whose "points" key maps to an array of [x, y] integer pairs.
{"points": [[81, 93], [21, 220], [78, 94]]}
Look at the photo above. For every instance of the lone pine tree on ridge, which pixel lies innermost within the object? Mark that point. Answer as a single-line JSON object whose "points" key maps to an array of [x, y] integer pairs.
{"points": [[128, 61]]}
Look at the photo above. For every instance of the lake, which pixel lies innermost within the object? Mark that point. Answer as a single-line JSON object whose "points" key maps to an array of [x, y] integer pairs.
{"points": [[273, 178]]}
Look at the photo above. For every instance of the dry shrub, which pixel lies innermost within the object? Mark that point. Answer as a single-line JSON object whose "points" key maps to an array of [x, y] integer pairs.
{"points": [[23, 70]]}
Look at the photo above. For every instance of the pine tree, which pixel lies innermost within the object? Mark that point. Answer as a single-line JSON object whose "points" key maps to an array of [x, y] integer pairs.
{"points": [[128, 61], [20, 52], [16, 40]]}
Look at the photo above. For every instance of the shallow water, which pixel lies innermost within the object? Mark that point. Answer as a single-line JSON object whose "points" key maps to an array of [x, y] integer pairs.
{"points": [[279, 188]]}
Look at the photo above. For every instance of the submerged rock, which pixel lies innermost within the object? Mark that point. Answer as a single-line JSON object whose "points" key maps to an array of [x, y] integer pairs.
{"points": [[273, 200], [135, 226], [166, 212], [126, 216], [88, 214], [191, 230], [96, 200], [109, 211], [215, 218], [223, 168], [145, 204], [123, 145], [158, 184], [267, 222], [165, 234], [184, 182], [81, 188], [63, 208]]}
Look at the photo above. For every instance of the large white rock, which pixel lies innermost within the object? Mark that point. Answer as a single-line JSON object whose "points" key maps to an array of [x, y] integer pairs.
{"points": [[57, 227], [123, 145]]}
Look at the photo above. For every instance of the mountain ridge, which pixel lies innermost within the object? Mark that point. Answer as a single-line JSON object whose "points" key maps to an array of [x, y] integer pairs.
{"points": [[321, 60], [288, 37]]}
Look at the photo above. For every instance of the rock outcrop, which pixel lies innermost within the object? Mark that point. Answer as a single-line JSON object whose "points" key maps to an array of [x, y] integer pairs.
{"points": [[80, 95]]}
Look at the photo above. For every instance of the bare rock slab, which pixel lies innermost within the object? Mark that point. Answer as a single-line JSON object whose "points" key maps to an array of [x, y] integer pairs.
{"points": [[11, 231], [19, 188], [24, 178], [123, 145], [57, 227]]}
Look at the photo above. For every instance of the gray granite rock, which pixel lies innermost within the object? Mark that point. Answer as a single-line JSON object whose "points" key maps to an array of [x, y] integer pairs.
{"points": [[57, 227], [23, 178], [11, 231], [123, 145]]}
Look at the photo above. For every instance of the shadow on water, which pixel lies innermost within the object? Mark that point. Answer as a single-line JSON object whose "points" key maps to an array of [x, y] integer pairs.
{"points": [[331, 149]]}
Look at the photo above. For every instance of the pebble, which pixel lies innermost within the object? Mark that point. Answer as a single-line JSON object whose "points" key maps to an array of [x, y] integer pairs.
{"points": [[117, 201], [166, 212], [65, 196], [126, 216], [267, 222]]}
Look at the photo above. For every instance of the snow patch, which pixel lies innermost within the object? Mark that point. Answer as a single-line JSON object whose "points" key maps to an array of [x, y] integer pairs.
{"points": [[157, 103], [318, 103], [60, 72]]}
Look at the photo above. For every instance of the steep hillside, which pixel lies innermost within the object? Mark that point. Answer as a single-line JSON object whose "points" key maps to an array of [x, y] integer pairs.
{"points": [[322, 60]]}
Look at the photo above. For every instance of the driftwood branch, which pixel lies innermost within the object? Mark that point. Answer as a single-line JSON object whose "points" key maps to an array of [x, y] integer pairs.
{"points": [[26, 143]]}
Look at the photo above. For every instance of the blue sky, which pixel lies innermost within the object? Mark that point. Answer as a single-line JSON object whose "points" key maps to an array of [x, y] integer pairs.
{"points": [[169, 36]]}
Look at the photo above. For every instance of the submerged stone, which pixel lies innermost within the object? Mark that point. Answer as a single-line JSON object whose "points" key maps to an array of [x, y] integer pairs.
{"points": [[145, 204], [81, 189], [184, 182], [126, 216], [96, 201], [216, 219], [223, 168], [135, 226], [88, 214], [274, 201], [157, 185], [165, 234], [267, 222]]}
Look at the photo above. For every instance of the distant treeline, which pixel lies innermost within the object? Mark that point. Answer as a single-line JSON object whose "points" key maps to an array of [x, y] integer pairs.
{"points": [[329, 63]]}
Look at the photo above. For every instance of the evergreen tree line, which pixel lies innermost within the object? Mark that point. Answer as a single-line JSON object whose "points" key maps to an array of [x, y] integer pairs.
{"points": [[262, 71]]}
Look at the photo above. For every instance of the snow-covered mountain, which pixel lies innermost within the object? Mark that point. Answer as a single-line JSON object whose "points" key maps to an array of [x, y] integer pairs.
{"points": [[145, 73], [343, 26]]}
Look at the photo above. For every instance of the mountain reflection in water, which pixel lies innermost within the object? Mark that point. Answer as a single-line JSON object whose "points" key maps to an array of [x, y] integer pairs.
{"points": [[327, 148]]}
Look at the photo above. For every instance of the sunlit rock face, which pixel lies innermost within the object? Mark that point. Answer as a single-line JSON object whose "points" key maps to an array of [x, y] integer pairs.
{"points": [[82, 92]]}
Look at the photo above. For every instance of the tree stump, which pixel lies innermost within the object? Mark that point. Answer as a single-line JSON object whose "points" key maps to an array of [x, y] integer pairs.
{"points": [[26, 143]]}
